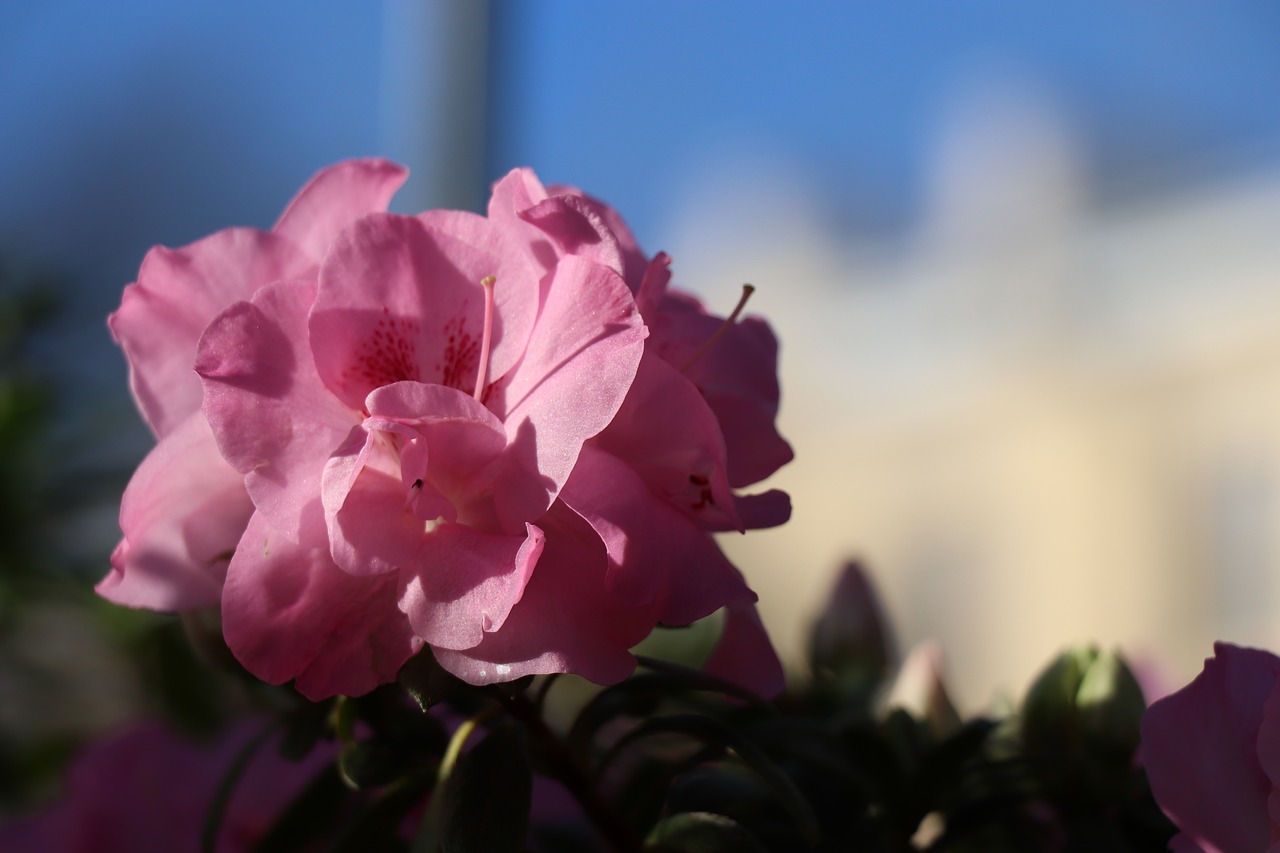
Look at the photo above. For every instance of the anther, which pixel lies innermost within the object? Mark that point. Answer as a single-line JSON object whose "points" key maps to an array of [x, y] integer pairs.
{"points": [[747, 290], [483, 375]]}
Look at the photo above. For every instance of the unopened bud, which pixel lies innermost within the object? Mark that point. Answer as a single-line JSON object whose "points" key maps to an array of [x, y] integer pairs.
{"points": [[919, 690], [1084, 699], [1110, 706], [849, 645]]}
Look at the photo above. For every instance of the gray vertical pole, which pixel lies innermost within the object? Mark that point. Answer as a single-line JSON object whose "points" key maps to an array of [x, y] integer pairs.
{"points": [[434, 99]]}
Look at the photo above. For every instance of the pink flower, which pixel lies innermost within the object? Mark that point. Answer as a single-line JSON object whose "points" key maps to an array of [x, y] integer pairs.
{"points": [[146, 789], [450, 432], [1212, 754]]}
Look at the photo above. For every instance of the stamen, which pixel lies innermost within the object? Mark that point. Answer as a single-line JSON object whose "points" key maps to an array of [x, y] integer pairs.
{"points": [[747, 290], [487, 283]]}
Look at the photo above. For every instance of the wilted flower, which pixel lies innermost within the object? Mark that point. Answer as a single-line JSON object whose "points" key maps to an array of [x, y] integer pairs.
{"points": [[453, 432]]}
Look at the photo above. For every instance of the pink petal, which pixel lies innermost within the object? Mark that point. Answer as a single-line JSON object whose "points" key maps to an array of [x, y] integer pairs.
{"points": [[1268, 751], [744, 654], [459, 439], [657, 555], [182, 515], [738, 376], [464, 583], [177, 294], [566, 621], [514, 192], [289, 613], [334, 198], [633, 260], [767, 509], [576, 229], [580, 362], [400, 299], [653, 286], [666, 431], [1200, 750], [274, 420], [373, 528]]}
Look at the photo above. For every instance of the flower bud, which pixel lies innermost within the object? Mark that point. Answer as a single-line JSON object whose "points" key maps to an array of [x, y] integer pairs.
{"points": [[1085, 699], [920, 691], [849, 645], [1110, 706]]}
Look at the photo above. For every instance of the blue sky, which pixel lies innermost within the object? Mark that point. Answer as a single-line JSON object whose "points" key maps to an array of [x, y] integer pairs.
{"points": [[617, 97], [132, 123]]}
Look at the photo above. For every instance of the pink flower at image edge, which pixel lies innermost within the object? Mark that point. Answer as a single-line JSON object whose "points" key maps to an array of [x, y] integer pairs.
{"points": [[1212, 754], [145, 789]]}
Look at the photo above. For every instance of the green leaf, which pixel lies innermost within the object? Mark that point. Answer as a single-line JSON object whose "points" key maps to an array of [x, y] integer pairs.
{"points": [[309, 817], [303, 729], [1110, 705], [709, 731], [1049, 709], [222, 796], [640, 696], [701, 832], [377, 827], [370, 764], [696, 679], [482, 804], [426, 681]]}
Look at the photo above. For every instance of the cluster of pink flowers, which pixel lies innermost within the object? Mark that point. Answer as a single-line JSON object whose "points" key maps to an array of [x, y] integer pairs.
{"points": [[500, 436]]}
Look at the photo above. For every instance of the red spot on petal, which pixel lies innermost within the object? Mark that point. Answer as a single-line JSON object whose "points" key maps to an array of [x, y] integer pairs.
{"points": [[387, 355]]}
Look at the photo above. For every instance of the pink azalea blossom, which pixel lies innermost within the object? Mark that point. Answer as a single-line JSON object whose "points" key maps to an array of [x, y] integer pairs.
{"points": [[146, 789], [1212, 754], [449, 431]]}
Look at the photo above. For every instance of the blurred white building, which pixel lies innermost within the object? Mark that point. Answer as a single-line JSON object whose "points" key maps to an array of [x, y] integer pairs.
{"points": [[1040, 419]]}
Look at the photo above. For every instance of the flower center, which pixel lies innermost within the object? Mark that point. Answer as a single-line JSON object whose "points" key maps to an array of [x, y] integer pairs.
{"points": [[486, 339], [747, 290]]}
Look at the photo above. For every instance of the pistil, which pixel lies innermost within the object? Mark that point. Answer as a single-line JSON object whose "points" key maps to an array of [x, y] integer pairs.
{"points": [[747, 290], [487, 338]]}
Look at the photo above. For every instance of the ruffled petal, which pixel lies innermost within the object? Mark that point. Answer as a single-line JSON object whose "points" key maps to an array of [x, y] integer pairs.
{"points": [[400, 299], [566, 621], [744, 654], [178, 292], [449, 441], [666, 431], [182, 515], [575, 228], [738, 376], [334, 198], [274, 420], [633, 260], [464, 583], [657, 555], [581, 360], [289, 613]]}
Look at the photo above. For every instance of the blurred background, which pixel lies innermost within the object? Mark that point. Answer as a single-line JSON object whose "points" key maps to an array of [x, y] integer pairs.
{"points": [[1023, 260]]}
